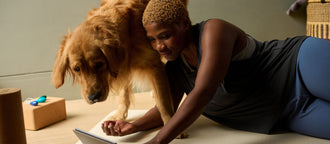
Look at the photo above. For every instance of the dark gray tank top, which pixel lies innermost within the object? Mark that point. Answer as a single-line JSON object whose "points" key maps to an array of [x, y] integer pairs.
{"points": [[255, 90]]}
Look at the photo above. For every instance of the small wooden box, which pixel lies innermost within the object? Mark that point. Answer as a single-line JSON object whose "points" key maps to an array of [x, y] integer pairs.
{"points": [[44, 114]]}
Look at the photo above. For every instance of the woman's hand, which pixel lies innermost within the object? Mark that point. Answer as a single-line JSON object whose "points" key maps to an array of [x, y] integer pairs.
{"points": [[118, 128]]}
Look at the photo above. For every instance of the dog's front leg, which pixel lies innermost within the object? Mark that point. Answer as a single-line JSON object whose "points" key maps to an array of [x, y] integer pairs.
{"points": [[162, 94], [125, 97]]}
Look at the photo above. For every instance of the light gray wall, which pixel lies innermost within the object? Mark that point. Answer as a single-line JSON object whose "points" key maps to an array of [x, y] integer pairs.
{"points": [[31, 32], [263, 19]]}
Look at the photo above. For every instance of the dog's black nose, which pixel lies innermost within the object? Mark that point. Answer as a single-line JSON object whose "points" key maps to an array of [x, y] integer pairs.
{"points": [[94, 97]]}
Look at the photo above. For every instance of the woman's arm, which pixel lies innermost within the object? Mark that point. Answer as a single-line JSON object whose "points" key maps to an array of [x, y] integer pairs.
{"points": [[219, 41], [151, 119]]}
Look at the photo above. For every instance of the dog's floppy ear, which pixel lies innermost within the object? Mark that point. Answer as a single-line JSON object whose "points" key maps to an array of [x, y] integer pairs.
{"points": [[61, 65], [114, 54], [113, 58], [113, 49]]}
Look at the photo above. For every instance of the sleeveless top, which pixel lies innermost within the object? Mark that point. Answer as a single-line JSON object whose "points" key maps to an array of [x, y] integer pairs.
{"points": [[256, 88]]}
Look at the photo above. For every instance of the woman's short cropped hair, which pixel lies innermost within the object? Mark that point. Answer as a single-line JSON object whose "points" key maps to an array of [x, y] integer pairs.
{"points": [[164, 12]]}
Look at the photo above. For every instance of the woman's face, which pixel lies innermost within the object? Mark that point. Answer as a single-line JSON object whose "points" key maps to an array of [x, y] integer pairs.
{"points": [[168, 40]]}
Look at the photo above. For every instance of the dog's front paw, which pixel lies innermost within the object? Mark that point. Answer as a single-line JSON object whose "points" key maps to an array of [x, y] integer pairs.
{"points": [[117, 116], [182, 135]]}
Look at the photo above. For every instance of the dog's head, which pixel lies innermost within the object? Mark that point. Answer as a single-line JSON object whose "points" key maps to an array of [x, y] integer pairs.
{"points": [[92, 54]]}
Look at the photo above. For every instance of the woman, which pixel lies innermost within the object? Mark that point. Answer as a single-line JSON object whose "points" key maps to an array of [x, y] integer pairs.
{"points": [[234, 79]]}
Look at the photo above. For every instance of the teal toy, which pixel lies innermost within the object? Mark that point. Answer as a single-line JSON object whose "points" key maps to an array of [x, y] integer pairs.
{"points": [[39, 100], [42, 99]]}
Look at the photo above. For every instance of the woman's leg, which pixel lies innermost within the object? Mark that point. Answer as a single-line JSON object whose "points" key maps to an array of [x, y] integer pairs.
{"points": [[314, 67], [312, 108]]}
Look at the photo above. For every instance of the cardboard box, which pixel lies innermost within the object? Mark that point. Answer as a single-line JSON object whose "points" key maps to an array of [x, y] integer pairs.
{"points": [[44, 114]]}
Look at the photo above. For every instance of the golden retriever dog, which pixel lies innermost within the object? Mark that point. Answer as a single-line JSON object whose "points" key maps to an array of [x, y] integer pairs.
{"points": [[107, 52]]}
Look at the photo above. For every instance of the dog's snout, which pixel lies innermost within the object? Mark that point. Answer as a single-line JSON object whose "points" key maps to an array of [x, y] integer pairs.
{"points": [[94, 97]]}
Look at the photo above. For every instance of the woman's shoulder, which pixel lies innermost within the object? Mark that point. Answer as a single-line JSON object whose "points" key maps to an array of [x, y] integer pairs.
{"points": [[221, 27], [219, 23], [215, 20], [209, 22], [218, 30]]}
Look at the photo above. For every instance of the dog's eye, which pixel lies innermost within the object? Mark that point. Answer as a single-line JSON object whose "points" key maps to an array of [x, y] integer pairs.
{"points": [[77, 69]]}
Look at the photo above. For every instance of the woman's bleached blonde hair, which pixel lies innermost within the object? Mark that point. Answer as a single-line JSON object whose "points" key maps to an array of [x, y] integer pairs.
{"points": [[164, 12]]}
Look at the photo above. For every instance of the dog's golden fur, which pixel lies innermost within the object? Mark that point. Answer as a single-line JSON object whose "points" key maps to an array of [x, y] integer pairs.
{"points": [[106, 51]]}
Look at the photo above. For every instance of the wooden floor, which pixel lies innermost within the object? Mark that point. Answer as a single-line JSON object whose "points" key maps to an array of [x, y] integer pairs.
{"points": [[84, 116]]}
